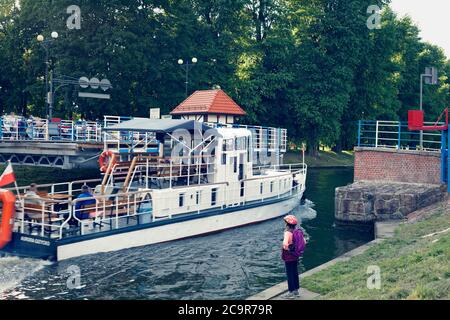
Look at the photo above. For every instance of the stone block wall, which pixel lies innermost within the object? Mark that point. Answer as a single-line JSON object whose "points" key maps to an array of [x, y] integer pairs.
{"points": [[381, 201]]}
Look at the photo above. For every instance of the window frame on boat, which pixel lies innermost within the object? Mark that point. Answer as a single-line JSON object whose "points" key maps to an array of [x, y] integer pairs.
{"points": [[214, 196], [181, 199]]}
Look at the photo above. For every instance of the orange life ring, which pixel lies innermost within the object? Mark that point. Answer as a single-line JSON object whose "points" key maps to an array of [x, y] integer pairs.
{"points": [[9, 212], [105, 159]]}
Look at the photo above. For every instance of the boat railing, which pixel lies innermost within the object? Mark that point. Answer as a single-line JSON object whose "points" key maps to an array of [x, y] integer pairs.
{"points": [[68, 189], [162, 172], [40, 216], [111, 211], [264, 138], [294, 167], [130, 142], [274, 188], [113, 120], [55, 218]]}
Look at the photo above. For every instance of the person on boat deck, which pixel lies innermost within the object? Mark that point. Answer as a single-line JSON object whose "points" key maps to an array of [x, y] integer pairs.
{"points": [[293, 247], [31, 196], [85, 193]]}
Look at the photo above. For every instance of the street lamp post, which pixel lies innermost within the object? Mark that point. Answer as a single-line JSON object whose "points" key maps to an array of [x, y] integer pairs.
{"points": [[431, 77], [186, 67], [48, 84]]}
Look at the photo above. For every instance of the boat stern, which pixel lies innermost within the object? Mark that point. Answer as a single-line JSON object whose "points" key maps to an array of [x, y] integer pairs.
{"points": [[24, 245]]}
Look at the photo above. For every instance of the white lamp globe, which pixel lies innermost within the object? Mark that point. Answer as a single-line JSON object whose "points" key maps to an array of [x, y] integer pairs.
{"points": [[194, 60], [55, 35], [40, 38], [180, 61]]}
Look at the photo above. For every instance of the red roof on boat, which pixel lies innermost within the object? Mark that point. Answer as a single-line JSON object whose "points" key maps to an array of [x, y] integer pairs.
{"points": [[209, 102]]}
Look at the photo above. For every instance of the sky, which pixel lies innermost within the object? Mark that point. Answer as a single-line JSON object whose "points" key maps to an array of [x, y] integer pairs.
{"points": [[432, 18]]}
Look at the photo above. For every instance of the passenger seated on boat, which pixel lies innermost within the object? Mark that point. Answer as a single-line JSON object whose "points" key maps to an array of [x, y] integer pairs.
{"points": [[79, 206], [31, 196]]}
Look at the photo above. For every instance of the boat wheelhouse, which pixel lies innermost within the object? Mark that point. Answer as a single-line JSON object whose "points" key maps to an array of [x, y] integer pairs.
{"points": [[162, 180]]}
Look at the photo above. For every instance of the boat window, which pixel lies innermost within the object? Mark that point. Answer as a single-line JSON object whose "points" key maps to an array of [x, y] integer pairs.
{"points": [[248, 149], [224, 158], [261, 188], [228, 145], [242, 188], [181, 200], [271, 186], [235, 164], [197, 197], [214, 196]]}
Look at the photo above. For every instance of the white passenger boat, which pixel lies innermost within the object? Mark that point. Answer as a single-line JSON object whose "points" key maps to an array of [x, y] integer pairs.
{"points": [[163, 180]]}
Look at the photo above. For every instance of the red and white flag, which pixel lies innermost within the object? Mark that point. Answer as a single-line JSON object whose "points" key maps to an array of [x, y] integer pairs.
{"points": [[8, 176]]}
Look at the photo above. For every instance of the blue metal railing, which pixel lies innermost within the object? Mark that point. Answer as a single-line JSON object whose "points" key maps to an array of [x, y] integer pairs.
{"points": [[34, 129], [395, 135], [19, 128]]}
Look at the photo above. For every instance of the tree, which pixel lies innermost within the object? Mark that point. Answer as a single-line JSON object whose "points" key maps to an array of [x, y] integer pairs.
{"points": [[311, 66]]}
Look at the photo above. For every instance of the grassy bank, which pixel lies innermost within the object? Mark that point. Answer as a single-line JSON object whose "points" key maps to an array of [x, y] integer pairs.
{"points": [[325, 159], [414, 264]]}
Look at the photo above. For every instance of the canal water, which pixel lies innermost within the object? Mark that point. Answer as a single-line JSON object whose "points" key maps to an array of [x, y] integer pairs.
{"points": [[233, 264]]}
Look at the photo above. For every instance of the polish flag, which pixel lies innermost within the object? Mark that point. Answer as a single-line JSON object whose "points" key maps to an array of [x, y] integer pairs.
{"points": [[8, 176]]}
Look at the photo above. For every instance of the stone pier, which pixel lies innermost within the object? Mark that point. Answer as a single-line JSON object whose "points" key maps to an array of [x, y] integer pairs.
{"points": [[370, 201]]}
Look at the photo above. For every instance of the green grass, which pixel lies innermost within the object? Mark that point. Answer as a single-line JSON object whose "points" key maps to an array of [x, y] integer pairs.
{"points": [[326, 158], [411, 267]]}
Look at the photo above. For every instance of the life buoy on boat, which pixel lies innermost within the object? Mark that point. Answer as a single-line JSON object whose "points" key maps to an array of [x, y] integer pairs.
{"points": [[105, 159], [8, 214]]}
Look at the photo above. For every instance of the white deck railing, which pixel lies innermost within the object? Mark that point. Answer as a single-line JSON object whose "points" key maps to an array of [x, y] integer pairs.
{"points": [[52, 215]]}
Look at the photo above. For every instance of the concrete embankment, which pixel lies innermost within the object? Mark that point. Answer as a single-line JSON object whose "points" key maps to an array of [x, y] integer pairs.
{"points": [[279, 291], [405, 247]]}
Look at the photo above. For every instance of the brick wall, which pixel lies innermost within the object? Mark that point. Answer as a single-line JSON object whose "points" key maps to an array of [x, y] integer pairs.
{"points": [[397, 165]]}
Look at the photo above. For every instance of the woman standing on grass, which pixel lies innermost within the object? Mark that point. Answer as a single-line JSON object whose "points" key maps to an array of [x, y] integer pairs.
{"points": [[293, 247]]}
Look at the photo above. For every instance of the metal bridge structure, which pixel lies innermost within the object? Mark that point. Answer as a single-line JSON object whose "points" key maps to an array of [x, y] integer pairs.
{"points": [[65, 144], [69, 144], [416, 134]]}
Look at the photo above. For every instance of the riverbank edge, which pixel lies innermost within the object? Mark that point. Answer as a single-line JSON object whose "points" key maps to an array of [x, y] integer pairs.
{"points": [[383, 230], [281, 288], [325, 160]]}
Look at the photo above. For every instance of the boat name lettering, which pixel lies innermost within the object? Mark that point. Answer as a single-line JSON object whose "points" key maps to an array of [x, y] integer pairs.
{"points": [[36, 241]]}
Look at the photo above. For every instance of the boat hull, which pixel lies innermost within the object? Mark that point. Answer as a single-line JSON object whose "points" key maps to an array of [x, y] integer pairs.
{"points": [[179, 230]]}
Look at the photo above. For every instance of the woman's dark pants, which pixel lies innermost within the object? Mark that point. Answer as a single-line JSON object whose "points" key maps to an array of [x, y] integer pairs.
{"points": [[292, 275]]}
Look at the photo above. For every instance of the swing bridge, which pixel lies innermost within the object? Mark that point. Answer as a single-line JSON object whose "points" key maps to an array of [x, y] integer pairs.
{"points": [[69, 144], [413, 136]]}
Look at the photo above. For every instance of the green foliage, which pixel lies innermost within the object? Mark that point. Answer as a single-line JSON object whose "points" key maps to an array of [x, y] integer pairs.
{"points": [[312, 66]]}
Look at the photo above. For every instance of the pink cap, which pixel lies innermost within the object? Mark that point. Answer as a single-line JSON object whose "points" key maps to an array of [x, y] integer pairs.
{"points": [[291, 219]]}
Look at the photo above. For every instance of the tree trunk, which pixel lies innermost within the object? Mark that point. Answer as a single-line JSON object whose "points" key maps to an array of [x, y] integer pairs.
{"points": [[338, 147], [313, 149]]}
